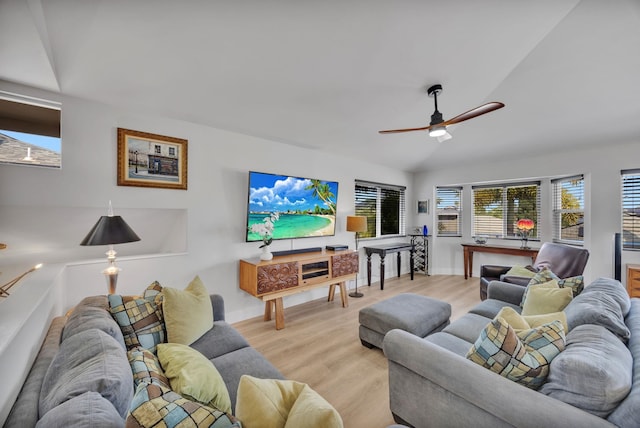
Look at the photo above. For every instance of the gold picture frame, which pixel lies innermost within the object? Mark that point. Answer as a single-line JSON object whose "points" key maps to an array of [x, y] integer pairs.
{"points": [[151, 160]]}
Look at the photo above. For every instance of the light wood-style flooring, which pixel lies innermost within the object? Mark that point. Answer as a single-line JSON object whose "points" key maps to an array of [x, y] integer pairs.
{"points": [[320, 345]]}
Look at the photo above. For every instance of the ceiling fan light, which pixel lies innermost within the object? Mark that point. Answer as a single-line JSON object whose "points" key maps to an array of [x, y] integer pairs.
{"points": [[437, 131]]}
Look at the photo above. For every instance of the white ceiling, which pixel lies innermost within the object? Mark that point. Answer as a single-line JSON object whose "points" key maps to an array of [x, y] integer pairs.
{"points": [[330, 74]]}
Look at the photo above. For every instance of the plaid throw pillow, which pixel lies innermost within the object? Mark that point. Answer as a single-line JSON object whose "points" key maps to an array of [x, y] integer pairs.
{"points": [[146, 367], [139, 318], [522, 357]]}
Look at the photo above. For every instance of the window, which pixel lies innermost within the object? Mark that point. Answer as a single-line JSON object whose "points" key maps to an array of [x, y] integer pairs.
{"points": [[568, 209], [384, 207], [172, 151], [449, 211], [631, 209], [29, 131], [497, 208], [157, 149]]}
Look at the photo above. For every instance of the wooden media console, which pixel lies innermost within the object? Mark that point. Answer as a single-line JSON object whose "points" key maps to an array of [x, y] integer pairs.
{"points": [[272, 280]]}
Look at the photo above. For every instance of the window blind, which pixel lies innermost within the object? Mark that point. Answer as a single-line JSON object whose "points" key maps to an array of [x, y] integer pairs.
{"points": [[631, 209], [449, 211], [568, 209], [384, 207], [497, 208]]}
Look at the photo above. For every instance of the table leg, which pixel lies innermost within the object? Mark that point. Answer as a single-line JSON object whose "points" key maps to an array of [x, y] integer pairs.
{"points": [[343, 294], [332, 292], [411, 265], [369, 270], [382, 272], [470, 264], [399, 263], [268, 310], [465, 256], [279, 314]]}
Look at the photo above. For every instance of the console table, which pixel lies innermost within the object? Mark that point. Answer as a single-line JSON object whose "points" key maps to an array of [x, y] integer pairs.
{"points": [[272, 280], [382, 251], [469, 249]]}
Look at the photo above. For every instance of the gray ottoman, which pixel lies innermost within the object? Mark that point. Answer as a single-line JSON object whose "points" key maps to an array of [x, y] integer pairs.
{"points": [[419, 315]]}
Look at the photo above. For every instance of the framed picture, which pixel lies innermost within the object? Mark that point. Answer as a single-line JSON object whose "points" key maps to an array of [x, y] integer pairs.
{"points": [[423, 207], [150, 160]]}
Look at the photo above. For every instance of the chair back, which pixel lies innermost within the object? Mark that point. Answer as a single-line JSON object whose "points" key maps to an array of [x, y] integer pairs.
{"points": [[563, 260]]}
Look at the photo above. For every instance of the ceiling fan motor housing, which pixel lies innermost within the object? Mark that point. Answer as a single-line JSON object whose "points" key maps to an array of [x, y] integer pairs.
{"points": [[436, 117]]}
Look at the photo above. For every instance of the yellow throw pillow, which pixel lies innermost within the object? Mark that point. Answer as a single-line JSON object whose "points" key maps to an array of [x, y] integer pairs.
{"points": [[519, 322], [521, 271], [544, 300], [271, 403], [191, 375], [188, 313]]}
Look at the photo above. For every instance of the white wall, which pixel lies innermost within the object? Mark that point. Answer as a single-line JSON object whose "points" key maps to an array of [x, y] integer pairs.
{"points": [[215, 202], [601, 167]]}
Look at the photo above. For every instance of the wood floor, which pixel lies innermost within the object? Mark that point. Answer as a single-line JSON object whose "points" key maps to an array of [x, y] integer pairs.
{"points": [[320, 346]]}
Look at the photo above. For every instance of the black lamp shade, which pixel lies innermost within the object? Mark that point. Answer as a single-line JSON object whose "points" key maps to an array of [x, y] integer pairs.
{"points": [[110, 230]]}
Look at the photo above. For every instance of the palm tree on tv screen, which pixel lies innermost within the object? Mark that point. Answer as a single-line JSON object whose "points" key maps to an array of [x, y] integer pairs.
{"points": [[323, 192]]}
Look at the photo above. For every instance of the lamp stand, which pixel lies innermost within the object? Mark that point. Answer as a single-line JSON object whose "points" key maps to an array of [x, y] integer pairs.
{"points": [[356, 293], [111, 272]]}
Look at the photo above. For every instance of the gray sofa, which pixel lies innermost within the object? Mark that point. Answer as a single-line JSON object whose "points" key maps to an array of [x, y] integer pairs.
{"points": [[593, 382], [93, 327]]}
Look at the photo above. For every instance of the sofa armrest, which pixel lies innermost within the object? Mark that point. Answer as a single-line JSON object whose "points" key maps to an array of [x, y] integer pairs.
{"points": [[467, 394], [217, 302], [519, 280], [506, 292], [493, 271]]}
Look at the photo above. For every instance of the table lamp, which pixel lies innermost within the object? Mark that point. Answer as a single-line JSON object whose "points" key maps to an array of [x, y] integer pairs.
{"points": [[357, 224], [109, 230]]}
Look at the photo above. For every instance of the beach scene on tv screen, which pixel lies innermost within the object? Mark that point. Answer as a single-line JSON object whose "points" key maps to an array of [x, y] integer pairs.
{"points": [[306, 207]]}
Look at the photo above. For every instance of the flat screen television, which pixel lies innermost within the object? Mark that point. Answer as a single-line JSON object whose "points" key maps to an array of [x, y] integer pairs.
{"points": [[306, 207]]}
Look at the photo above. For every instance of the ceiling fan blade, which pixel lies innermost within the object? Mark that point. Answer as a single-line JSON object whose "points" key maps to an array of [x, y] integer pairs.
{"points": [[485, 108], [395, 131]]}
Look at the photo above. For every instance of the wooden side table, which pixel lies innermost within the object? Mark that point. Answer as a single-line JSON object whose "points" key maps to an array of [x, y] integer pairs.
{"points": [[633, 280]]}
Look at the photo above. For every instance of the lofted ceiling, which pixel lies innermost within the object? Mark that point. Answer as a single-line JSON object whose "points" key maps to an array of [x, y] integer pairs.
{"points": [[328, 75]]}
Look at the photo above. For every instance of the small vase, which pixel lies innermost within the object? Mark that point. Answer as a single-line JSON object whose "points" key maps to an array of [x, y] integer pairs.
{"points": [[266, 253]]}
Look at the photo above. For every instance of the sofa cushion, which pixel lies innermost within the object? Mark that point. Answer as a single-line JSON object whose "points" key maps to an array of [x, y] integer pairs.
{"points": [[597, 307], [593, 373], [271, 403], [450, 342], [614, 289], [220, 340], [139, 319], [146, 367], [86, 317], [193, 376], [86, 410], [188, 313], [468, 327], [522, 357], [157, 406], [544, 298], [82, 364], [489, 308]]}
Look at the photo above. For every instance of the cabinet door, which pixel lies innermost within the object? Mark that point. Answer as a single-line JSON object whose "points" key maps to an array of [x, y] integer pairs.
{"points": [[344, 264], [277, 277]]}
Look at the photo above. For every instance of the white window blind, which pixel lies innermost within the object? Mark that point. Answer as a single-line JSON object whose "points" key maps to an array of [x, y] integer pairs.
{"points": [[497, 208], [631, 209], [449, 211], [384, 207], [568, 209]]}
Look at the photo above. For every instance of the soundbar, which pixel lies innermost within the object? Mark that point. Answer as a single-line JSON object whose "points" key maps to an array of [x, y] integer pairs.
{"points": [[298, 251]]}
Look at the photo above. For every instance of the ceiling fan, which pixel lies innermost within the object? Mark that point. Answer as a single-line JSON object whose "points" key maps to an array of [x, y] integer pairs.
{"points": [[438, 126]]}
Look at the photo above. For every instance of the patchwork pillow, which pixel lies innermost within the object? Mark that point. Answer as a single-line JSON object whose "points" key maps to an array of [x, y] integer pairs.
{"points": [[522, 357], [594, 372], [82, 364], [519, 322], [193, 376], [139, 319], [157, 406], [271, 403], [146, 367], [188, 313], [598, 307], [543, 300]]}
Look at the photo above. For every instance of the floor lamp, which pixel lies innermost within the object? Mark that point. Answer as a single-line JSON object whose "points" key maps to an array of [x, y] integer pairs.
{"points": [[357, 224]]}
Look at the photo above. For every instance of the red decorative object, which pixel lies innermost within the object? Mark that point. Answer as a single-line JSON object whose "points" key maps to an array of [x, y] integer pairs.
{"points": [[525, 226]]}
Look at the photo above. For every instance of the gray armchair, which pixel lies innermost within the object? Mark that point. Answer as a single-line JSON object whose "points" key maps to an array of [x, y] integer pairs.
{"points": [[563, 260]]}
